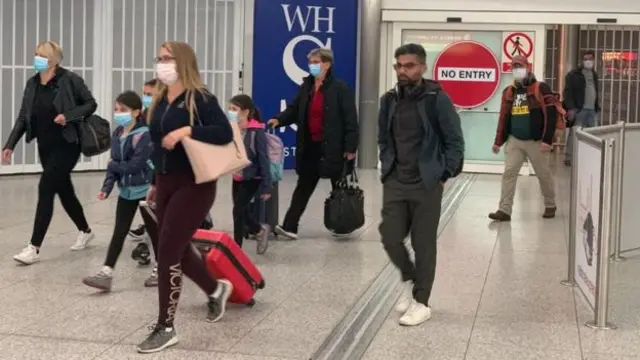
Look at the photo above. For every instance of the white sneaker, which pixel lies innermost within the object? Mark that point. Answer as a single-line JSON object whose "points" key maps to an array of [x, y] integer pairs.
{"points": [[28, 255], [416, 315], [82, 240], [288, 234], [405, 298]]}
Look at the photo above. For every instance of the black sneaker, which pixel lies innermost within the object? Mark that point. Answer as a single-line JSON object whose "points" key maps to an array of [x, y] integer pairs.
{"points": [[161, 337], [500, 216], [549, 213], [138, 233], [218, 301]]}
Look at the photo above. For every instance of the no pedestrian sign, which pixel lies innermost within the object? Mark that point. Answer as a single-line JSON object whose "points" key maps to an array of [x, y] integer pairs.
{"points": [[468, 72], [516, 43]]}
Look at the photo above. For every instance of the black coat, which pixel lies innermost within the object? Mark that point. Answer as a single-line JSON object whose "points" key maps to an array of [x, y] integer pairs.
{"points": [[73, 99], [574, 88], [341, 130]]}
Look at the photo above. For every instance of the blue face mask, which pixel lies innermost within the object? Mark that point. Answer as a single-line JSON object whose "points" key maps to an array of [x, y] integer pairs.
{"points": [[40, 63], [122, 119], [146, 101], [315, 69], [233, 115]]}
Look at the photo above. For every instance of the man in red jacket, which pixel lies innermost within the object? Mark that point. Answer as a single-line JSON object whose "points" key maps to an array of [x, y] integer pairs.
{"points": [[527, 126]]}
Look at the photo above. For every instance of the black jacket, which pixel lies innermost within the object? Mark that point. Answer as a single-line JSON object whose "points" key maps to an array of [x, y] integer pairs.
{"points": [[442, 153], [574, 89], [210, 125], [341, 129], [73, 99]]}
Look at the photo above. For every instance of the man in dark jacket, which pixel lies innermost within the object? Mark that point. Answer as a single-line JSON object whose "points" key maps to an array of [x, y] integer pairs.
{"points": [[581, 99], [527, 125], [325, 111], [421, 146]]}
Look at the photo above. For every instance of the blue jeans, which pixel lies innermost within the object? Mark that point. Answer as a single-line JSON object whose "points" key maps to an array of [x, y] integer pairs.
{"points": [[584, 118]]}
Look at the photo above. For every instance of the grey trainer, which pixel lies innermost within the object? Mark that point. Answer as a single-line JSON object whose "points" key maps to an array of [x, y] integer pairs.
{"points": [[263, 240], [100, 281], [218, 301], [160, 338]]}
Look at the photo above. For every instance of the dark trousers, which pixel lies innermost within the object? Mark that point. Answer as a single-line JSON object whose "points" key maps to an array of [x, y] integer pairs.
{"points": [[308, 178], [242, 192], [57, 164], [125, 212], [181, 206], [412, 210]]}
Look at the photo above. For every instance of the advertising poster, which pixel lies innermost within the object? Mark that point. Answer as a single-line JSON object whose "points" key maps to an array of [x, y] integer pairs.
{"points": [[284, 33], [587, 219]]}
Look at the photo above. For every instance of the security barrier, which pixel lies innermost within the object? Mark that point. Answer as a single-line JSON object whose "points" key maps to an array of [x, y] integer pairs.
{"points": [[604, 198], [591, 218]]}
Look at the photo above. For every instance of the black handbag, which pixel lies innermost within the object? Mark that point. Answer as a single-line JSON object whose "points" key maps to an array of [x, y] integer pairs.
{"points": [[94, 134], [344, 208]]}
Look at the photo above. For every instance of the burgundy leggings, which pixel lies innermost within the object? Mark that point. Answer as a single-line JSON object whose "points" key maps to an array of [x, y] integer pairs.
{"points": [[181, 206]]}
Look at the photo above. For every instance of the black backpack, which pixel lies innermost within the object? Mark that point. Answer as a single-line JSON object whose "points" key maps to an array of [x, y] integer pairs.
{"points": [[94, 134]]}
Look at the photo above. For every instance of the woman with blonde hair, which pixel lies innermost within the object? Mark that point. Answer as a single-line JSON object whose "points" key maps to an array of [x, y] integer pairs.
{"points": [[54, 99], [181, 108]]}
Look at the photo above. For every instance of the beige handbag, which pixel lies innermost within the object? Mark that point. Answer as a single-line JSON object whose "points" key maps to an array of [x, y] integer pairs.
{"points": [[210, 162]]}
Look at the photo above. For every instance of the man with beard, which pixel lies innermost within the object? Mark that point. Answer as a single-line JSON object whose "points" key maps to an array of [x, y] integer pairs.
{"points": [[421, 146]]}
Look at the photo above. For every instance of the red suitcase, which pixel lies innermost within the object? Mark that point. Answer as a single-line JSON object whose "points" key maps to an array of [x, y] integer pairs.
{"points": [[225, 260]]}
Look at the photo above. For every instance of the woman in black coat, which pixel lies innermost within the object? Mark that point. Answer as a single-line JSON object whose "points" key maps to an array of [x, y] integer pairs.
{"points": [[325, 111], [54, 99]]}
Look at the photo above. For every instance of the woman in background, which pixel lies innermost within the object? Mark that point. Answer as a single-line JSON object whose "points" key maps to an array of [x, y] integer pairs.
{"points": [[54, 99]]}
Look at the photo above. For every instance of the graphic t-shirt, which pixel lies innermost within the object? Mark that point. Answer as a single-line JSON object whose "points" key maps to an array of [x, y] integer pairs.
{"points": [[520, 120]]}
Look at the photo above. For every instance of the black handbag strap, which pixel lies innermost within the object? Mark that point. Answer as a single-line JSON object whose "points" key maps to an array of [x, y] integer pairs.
{"points": [[349, 175]]}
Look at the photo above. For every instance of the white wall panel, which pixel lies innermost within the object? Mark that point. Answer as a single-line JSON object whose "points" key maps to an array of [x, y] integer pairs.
{"points": [[111, 44], [23, 24]]}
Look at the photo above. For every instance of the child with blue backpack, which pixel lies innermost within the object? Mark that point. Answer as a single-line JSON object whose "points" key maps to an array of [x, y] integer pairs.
{"points": [[256, 178], [131, 170]]}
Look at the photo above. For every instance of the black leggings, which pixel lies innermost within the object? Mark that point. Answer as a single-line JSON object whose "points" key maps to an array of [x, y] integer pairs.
{"points": [[125, 212], [57, 164], [242, 192], [181, 206]]}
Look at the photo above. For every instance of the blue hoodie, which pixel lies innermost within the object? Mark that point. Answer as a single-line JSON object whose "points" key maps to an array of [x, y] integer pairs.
{"points": [[130, 166]]}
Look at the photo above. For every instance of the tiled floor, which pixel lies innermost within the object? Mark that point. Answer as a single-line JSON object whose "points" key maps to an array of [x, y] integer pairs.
{"points": [[497, 294], [47, 313]]}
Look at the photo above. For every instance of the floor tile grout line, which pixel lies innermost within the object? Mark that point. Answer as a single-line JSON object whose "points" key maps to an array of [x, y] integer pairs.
{"points": [[376, 287], [452, 198], [484, 284]]}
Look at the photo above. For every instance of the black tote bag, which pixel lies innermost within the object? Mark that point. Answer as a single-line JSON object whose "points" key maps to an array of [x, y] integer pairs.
{"points": [[344, 208]]}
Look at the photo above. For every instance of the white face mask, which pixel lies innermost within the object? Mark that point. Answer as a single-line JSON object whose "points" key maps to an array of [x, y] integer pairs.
{"points": [[588, 64], [167, 73], [519, 73]]}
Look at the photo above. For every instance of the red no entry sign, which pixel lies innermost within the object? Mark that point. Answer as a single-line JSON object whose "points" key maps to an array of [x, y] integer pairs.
{"points": [[468, 72]]}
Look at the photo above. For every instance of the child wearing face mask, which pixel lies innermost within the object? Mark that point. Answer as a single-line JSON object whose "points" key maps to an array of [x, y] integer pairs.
{"points": [[254, 179], [130, 168]]}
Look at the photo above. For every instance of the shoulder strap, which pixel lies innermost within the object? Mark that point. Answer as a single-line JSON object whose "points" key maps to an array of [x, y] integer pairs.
{"points": [[137, 134], [538, 94], [432, 116]]}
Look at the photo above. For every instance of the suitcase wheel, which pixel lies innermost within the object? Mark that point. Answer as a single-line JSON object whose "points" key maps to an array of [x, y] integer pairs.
{"points": [[251, 302], [261, 284]]}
